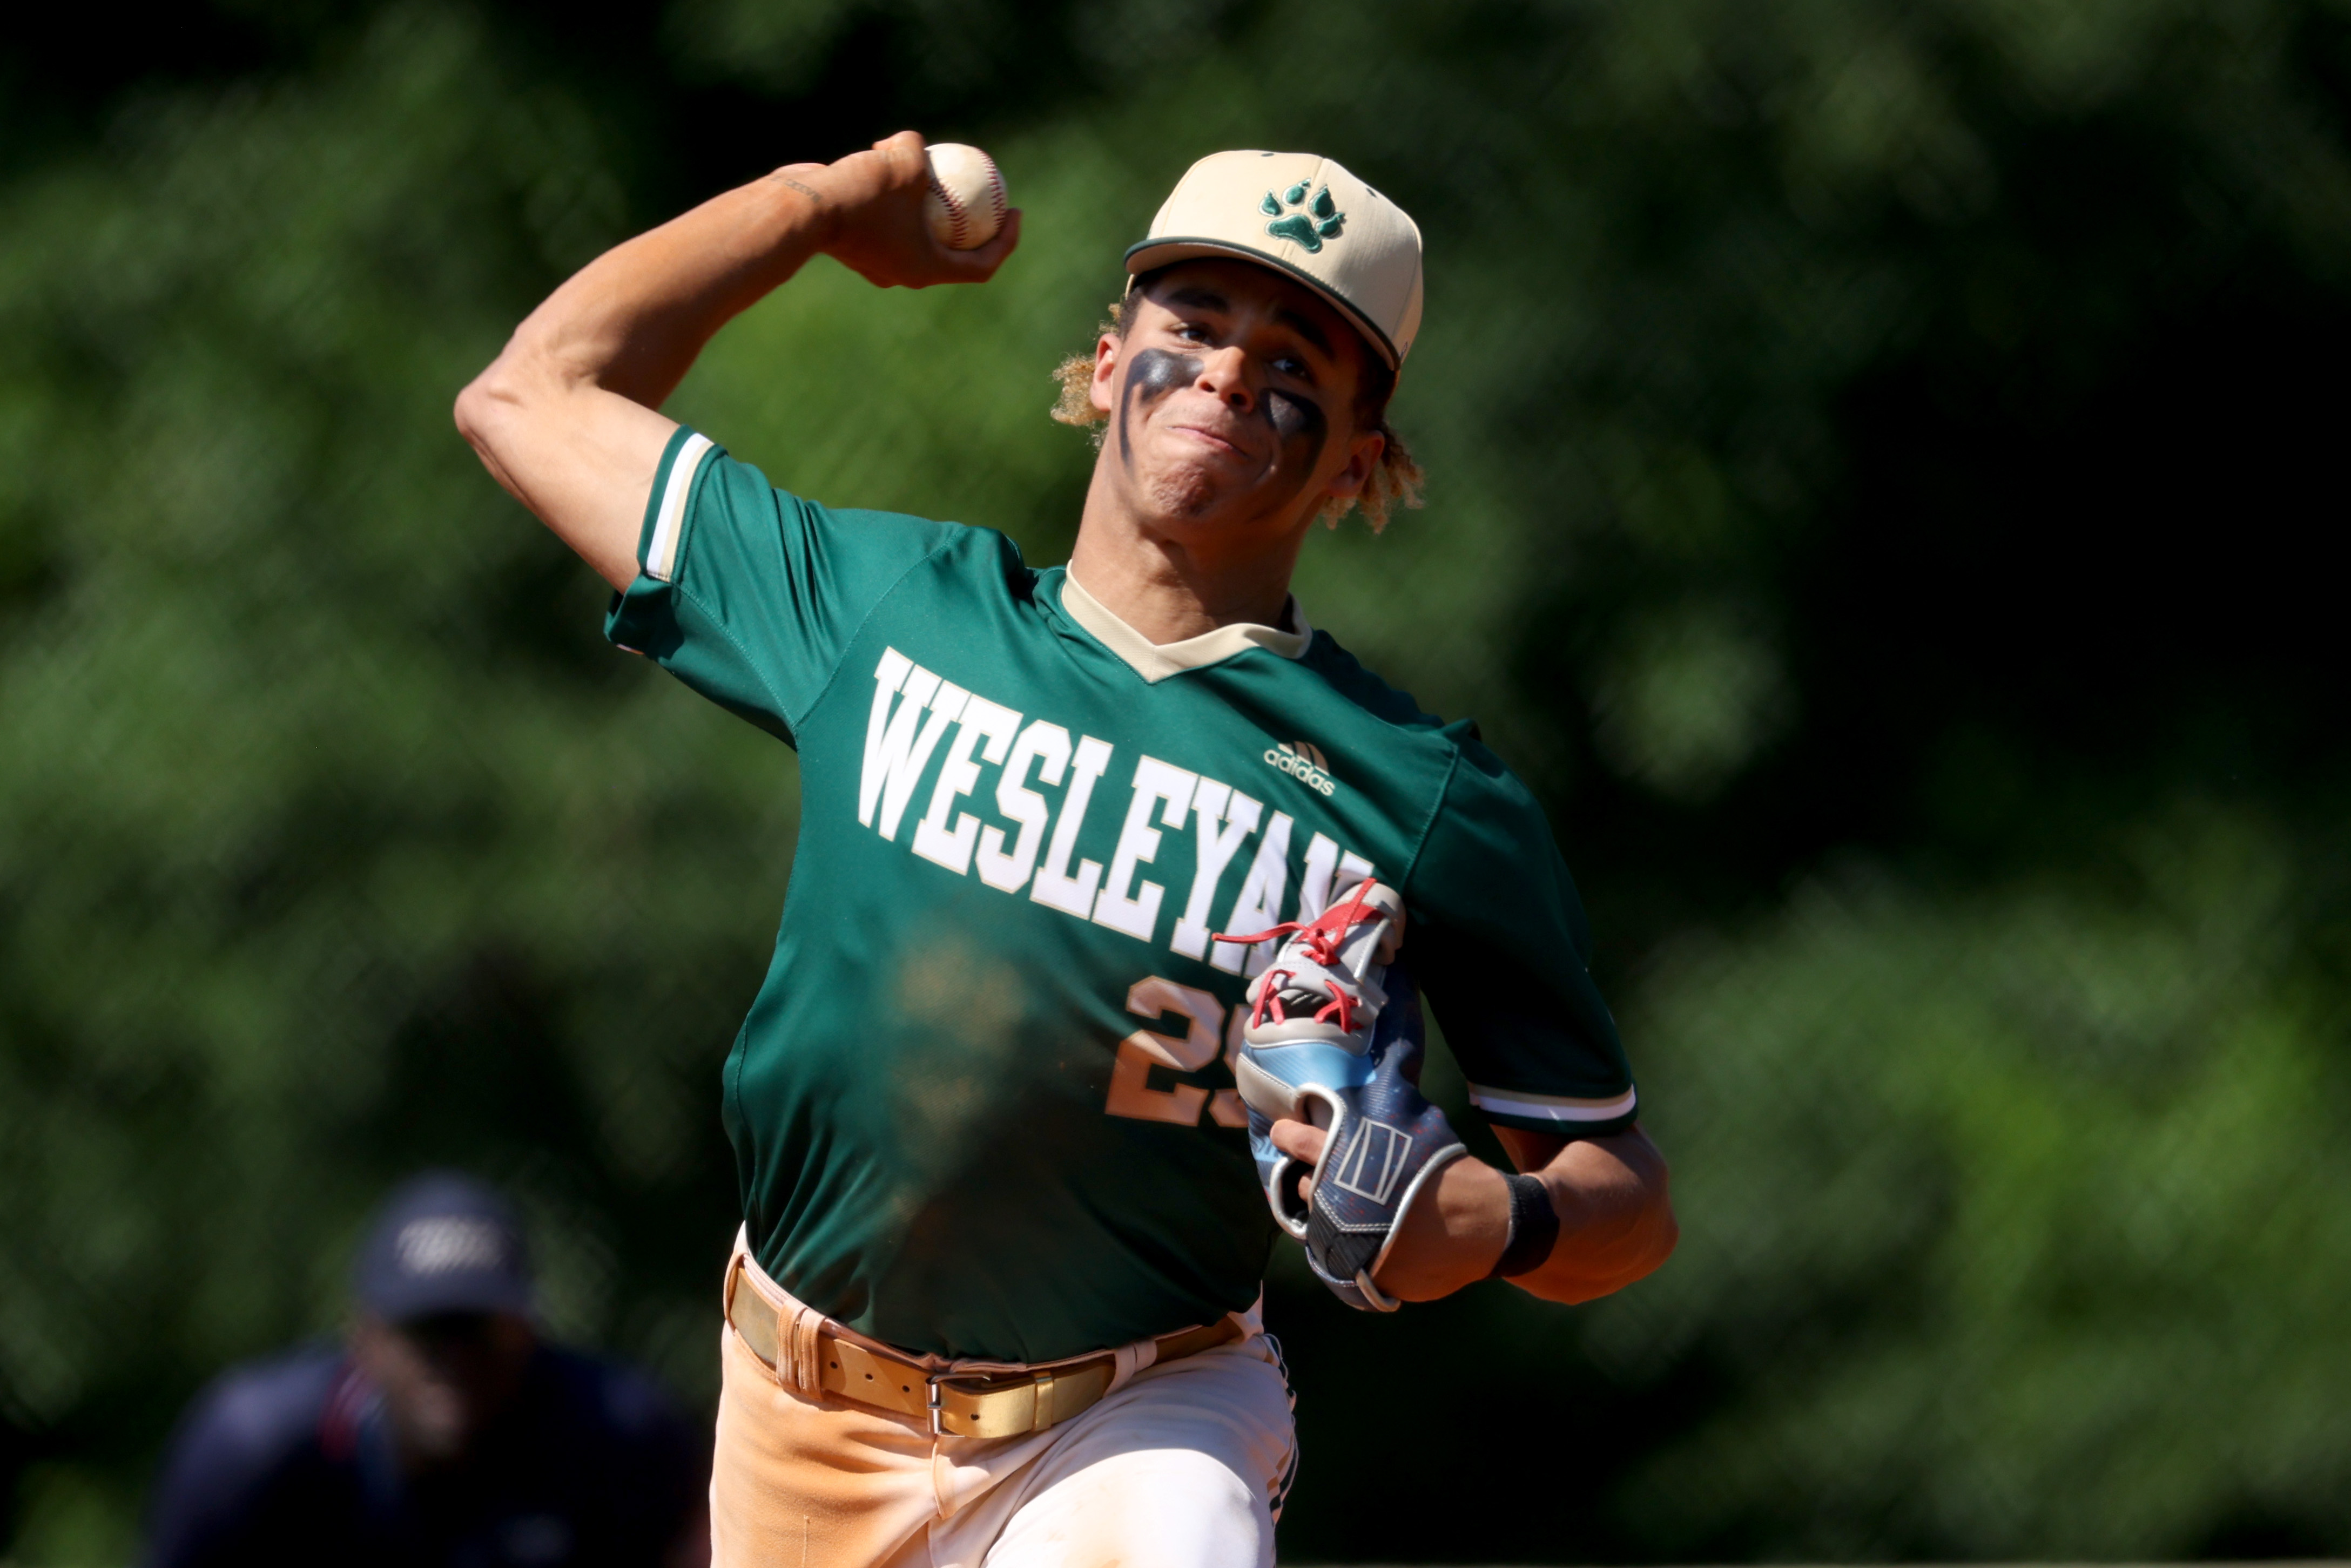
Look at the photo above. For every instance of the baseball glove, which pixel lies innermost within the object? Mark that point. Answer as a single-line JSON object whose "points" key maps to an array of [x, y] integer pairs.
{"points": [[1336, 1039]]}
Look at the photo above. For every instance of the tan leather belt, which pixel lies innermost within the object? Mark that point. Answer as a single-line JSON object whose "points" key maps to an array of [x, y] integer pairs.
{"points": [[966, 1404]]}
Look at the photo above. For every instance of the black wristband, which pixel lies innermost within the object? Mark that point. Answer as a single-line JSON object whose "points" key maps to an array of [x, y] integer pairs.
{"points": [[1534, 1228]]}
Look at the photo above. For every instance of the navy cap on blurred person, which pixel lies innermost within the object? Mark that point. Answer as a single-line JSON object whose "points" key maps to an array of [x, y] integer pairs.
{"points": [[444, 1242]]}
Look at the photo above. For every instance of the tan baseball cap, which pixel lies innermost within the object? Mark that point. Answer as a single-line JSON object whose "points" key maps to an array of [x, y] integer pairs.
{"points": [[1308, 217]]}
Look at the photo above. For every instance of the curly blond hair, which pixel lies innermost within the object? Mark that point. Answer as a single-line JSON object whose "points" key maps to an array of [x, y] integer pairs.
{"points": [[1396, 481]]}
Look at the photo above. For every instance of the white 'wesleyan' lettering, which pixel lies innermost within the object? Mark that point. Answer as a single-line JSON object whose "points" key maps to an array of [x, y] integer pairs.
{"points": [[1212, 803], [895, 754], [913, 709], [1138, 842]]}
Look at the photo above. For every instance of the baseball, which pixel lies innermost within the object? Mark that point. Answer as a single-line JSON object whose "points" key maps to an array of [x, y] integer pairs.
{"points": [[965, 205]]}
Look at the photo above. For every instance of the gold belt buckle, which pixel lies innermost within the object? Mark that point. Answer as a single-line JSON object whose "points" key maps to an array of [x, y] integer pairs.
{"points": [[1043, 1400], [1010, 1410]]}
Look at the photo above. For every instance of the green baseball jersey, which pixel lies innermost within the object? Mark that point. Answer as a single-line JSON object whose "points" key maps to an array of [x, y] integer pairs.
{"points": [[983, 1103]]}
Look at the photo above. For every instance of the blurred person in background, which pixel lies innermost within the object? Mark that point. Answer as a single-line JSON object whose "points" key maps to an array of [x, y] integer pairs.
{"points": [[445, 1431]]}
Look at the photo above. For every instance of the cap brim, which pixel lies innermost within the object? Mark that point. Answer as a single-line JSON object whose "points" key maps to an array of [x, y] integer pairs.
{"points": [[1154, 253]]}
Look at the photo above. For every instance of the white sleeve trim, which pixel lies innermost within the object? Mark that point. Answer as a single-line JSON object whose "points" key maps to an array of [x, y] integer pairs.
{"points": [[1551, 1107], [661, 551]]}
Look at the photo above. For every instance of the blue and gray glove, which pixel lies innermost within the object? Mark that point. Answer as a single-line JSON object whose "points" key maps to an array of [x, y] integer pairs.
{"points": [[1336, 1039]]}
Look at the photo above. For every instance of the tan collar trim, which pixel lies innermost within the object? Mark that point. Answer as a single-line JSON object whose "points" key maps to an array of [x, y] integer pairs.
{"points": [[1156, 662]]}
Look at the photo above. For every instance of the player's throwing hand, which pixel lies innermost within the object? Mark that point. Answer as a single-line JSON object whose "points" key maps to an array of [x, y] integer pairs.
{"points": [[873, 223]]}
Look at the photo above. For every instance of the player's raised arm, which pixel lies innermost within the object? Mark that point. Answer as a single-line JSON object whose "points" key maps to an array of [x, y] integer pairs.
{"points": [[566, 417]]}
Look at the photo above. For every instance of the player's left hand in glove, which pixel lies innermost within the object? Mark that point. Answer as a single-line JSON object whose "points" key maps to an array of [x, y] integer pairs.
{"points": [[1334, 1039]]}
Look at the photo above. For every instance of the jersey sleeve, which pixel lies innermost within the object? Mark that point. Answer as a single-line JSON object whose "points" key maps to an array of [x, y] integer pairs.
{"points": [[1500, 943], [750, 595]]}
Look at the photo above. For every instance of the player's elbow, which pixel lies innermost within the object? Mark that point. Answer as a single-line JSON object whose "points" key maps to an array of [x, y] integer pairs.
{"points": [[1628, 1246], [1665, 1233], [1646, 1243], [1656, 1230], [488, 406], [526, 386], [1647, 1231]]}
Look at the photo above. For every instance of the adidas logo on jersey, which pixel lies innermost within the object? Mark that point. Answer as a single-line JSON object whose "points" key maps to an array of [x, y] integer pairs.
{"points": [[1304, 762]]}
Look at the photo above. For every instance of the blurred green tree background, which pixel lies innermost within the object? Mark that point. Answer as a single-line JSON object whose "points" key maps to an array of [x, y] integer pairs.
{"points": [[1880, 501]]}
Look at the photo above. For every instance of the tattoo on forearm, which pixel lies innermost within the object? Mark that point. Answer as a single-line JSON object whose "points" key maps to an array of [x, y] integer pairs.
{"points": [[805, 191]]}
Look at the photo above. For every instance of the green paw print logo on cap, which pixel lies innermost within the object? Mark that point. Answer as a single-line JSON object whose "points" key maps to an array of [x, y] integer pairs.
{"points": [[1310, 224]]}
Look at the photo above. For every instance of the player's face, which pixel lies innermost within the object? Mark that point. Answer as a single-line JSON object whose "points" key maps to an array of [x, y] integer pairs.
{"points": [[1231, 403], [444, 1379]]}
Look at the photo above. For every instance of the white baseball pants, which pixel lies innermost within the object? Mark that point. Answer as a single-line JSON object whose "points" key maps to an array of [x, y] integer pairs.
{"points": [[1182, 1466]]}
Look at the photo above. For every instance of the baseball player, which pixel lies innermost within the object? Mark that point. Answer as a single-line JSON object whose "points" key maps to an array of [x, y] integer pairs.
{"points": [[996, 1293]]}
